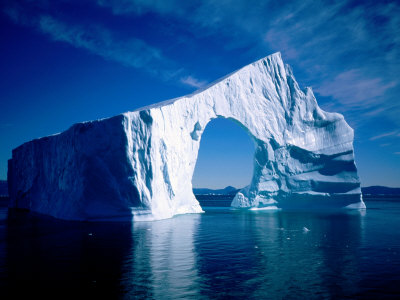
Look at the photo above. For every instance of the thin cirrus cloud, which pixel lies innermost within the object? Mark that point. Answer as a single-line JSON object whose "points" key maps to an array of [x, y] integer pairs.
{"points": [[349, 51], [383, 135], [99, 40], [194, 82], [122, 7], [354, 89], [132, 53], [324, 38]]}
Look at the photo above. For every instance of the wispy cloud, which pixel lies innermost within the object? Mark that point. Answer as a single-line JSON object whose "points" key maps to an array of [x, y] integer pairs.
{"points": [[374, 111], [355, 90], [123, 7], [386, 134], [98, 40], [325, 38], [322, 37], [192, 81], [101, 41]]}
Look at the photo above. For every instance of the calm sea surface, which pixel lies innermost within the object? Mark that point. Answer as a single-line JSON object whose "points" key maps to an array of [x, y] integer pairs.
{"points": [[220, 254]]}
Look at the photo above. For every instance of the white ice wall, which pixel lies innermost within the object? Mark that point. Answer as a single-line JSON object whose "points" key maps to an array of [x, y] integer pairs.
{"points": [[140, 164]]}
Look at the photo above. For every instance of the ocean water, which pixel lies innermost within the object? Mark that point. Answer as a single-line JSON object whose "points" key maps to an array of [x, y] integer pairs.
{"points": [[221, 254]]}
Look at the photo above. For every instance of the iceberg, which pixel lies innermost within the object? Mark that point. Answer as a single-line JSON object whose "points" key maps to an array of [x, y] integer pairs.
{"points": [[139, 165]]}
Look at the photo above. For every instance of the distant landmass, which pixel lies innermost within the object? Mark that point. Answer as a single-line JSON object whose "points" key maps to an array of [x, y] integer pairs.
{"points": [[380, 191], [375, 190], [229, 190]]}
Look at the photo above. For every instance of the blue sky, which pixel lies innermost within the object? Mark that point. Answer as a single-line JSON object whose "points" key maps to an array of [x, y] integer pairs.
{"points": [[64, 62]]}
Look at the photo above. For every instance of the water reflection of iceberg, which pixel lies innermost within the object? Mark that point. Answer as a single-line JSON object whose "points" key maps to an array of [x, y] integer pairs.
{"points": [[269, 254], [163, 258], [320, 261]]}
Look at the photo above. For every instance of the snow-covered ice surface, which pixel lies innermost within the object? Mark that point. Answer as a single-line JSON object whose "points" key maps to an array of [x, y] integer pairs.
{"points": [[139, 165]]}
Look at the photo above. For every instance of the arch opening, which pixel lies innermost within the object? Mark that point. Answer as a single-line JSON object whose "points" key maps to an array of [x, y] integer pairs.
{"points": [[225, 162]]}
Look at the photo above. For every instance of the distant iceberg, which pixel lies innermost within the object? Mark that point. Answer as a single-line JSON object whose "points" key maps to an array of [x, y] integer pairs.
{"points": [[139, 165]]}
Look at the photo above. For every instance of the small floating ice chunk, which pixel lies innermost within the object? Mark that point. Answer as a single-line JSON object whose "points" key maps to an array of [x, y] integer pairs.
{"points": [[265, 208]]}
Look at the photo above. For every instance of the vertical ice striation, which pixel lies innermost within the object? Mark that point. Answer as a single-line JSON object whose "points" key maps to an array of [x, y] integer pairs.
{"points": [[140, 164]]}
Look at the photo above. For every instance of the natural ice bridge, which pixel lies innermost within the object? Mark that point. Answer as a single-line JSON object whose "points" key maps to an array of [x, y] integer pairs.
{"points": [[140, 164]]}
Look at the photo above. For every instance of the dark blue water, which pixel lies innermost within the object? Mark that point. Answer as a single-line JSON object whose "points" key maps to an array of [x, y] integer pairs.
{"points": [[216, 255]]}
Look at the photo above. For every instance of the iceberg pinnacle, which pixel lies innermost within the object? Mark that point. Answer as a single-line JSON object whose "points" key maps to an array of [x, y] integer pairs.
{"points": [[139, 165]]}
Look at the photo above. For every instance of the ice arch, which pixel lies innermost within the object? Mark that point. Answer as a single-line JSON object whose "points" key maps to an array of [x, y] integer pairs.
{"points": [[141, 163]]}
